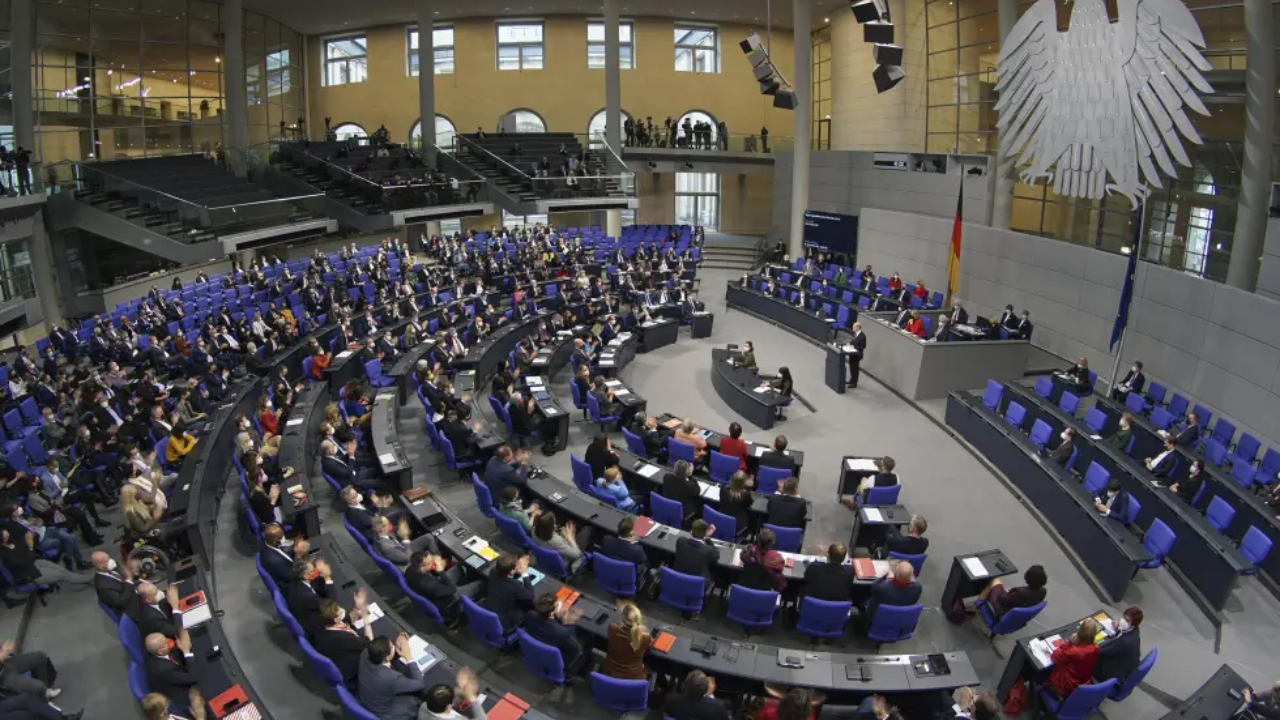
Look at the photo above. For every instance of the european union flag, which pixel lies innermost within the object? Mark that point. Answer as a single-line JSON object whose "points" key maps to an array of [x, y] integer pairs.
{"points": [[1130, 277]]}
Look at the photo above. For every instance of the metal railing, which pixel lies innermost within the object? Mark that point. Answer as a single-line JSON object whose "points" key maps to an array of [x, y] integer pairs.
{"points": [[716, 143], [544, 181]]}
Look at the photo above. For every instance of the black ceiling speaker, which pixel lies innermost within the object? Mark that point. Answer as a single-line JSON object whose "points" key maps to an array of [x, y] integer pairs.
{"points": [[785, 100], [877, 31], [865, 11], [885, 54], [887, 76]]}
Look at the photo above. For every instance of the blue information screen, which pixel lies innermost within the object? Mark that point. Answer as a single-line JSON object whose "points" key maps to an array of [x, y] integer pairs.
{"points": [[831, 232]]}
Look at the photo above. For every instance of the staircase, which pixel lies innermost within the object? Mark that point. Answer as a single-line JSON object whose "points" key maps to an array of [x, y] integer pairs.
{"points": [[509, 173], [730, 252], [152, 216]]}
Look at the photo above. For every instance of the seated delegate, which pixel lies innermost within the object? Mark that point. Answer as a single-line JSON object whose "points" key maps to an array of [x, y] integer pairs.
{"points": [[1002, 600], [1123, 653]]}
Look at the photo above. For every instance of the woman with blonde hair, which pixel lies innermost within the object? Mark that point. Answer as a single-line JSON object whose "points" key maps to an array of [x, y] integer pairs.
{"points": [[139, 520], [628, 643]]}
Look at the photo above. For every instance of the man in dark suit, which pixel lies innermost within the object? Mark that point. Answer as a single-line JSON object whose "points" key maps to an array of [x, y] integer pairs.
{"points": [[157, 613], [551, 624], [506, 468], [389, 681], [1066, 446], [831, 580], [276, 554], [354, 512], [695, 555], [114, 585], [696, 700], [1112, 502], [1008, 318], [778, 457], [1022, 330], [958, 315], [913, 543], [344, 473], [313, 582], [429, 576], [167, 671], [898, 589], [625, 547], [1123, 653], [1190, 434], [1134, 381], [510, 593], [903, 316], [647, 429], [680, 486], [859, 343], [787, 508], [338, 641], [1162, 465]]}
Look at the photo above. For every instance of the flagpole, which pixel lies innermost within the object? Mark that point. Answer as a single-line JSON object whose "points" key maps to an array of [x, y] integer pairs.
{"points": [[1124, 333]]}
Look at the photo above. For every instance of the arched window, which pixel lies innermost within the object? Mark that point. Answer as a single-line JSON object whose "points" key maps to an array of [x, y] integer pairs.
{"points": [[348, 131], [694, 117], [528, 121], [445, 133], [595, 128]]}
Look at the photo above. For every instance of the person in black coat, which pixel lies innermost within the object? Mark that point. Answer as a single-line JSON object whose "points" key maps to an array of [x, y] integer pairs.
{"points": [[600, 455], [168, 671], [506, 468], [313, 582], [913, 543], [831, 580], [787, 508], [1112, 501], [695, 554], [625, 547], [114, 585], [778, 457], [156, 613], [1134, 381], [427, 575], [680, 486], [550, 624], [276, 554], [338, 641], [696, 700], [898, 589], [510, 593], [1120, 656]]}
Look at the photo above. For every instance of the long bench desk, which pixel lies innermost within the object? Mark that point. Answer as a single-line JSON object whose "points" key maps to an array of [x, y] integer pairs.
{"points": [[1208, 561], [299, 439], [743, 665], [402, 369], [1251, 510], [384, 431], [668, 424], [739, 388], [807, 324], [1106, 550]]}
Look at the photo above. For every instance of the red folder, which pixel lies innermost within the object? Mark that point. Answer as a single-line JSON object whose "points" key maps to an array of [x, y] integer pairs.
{"points": [[509, 707], [864, 569], [643, 526], [567, 596], [195, 599], [664, 642], [228, 701]]}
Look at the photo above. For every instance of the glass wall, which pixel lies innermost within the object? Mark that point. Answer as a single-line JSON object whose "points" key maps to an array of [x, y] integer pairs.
{"points": [[274, 80], [127, 78]]}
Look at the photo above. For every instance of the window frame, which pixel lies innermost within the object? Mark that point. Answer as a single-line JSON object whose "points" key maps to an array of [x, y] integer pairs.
{"points": [[532, 112], [629, 44], [328, 63], [700, 196], [694, 49], [417, 125], [409, 52], [498, 45], [343, 124]]}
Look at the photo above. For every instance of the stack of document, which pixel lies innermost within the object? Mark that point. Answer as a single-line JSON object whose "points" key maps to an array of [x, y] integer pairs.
{"points": [[420, 653], [375, 613], [649, 471], [975, 567], [873, 514], [711, 491], [861, 464], [1042, 648], [612, 383]]}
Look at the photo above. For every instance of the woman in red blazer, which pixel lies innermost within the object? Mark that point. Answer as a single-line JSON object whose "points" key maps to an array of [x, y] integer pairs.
{"points": [[921, 291], [1074, 660], [915, 325], [268, 418], [734, 445]]}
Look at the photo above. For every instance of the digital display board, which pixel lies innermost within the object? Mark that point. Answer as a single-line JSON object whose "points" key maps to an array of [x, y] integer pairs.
{"points": [[831, 232]]}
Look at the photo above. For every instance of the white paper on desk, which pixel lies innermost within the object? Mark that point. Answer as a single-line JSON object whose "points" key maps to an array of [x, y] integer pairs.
{"points": [[375, 613], [550, 411], [197, 615], [387, 458], [1095, 437], [418, 648], [649, 324], [344, 354], [605, 363], [295, 422], [881, 567], [622, 393], [873, 514], [475, 544], [533, 382], [760, 450], [860, 464], [649, 471], [975, 567], [1041, 649], [711, 491], [623, 337], [612, 383]]}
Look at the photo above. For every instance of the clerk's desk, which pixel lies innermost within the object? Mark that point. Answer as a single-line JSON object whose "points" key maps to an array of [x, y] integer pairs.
{"points": [[668, 424], [658, 333], [921, 369], [299, 440], [807, 324], [740, 388], [1207, 563], [752, 664], [646, 475], [402, 369], [1029, 657], [1107, 551], [1251, 510], [384, 431]]}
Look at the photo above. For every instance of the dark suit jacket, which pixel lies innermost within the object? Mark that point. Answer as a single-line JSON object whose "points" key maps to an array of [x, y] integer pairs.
{"points": [[434, 586], [510, 599], [686, 492], [278, 566], [1062, 453], [556, 634], [599, 458], [1164, 468], [117, 594], [498, 475], [1135, 381], [1188, 436], [693, 556], [1119, 506], [342, 472], [150, 620], [343, 648], [860, 344], [1118, 658], [170, 678], [960, 315], [787, 511], [304, 602], [775, 459], [679, 707], [360, 518], [618, 549], [824, 581], [886, 592], [906, 544]]}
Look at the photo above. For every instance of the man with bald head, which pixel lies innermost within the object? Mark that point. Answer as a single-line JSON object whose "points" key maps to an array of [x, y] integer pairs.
{"points": [[278, 554], [114, 585], [167, 665], [899, 588], [159, 613]]}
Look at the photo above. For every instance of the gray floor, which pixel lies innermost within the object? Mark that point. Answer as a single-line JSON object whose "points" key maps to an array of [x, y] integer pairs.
{"points": [[968, 509]]}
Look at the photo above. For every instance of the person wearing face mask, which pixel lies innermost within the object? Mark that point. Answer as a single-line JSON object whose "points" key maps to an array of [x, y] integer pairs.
{"points": [[114, 585], [1124, 433], [338, 640], [313, 582], [1187, 488], [278, 553], [1134, 381], [1066, 446], [1120, 656], [1112, 502]]}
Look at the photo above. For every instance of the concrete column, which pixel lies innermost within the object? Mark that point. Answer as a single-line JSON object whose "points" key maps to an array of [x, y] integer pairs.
{"points": [[237, 131], [612, 79], [427, 77], [432, 229], [22, 15], [613, 223], [42, 268], [803, 23], [1002, 198], [1259, 124]]}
